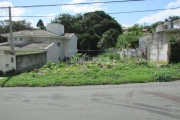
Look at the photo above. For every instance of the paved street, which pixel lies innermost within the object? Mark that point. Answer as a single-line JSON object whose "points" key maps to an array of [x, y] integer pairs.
{"points": [[148, 101]]}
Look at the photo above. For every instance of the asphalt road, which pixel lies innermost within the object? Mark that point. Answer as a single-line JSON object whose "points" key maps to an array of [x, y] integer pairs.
{"points": [[148, 101]]}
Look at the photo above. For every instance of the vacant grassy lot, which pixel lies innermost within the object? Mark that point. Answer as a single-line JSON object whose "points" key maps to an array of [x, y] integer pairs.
{"points": [[113, 71]]}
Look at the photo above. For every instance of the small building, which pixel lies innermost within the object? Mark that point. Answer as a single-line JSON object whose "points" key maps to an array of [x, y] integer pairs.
{"points": [[54, 44], [155, 45]]}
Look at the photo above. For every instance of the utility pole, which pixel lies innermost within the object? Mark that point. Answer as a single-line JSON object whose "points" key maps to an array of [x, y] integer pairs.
{"points": [[11, 33]]}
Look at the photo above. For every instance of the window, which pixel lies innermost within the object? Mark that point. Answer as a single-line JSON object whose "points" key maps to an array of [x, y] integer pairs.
{"points": [[58, 44], [12, 59], [20, 39], [7, 65], [15, 39]]}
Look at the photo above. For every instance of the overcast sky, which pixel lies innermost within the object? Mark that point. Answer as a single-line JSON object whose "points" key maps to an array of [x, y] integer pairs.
{"points": [[123, 19]]}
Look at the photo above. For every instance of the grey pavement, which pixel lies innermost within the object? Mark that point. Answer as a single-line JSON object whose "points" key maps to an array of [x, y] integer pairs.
{"points": [[147, 101]]}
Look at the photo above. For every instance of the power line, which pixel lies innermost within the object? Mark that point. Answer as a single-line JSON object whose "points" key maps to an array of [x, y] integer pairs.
{"points": [[107, 13], [144, 11], [32, 16], [106, 2]]}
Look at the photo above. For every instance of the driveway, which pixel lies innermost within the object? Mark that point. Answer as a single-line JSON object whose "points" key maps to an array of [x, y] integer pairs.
{"points": [[147, 101]]}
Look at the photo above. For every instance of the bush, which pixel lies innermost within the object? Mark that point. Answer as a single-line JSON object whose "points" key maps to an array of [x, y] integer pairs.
{"points": [[1, 72], [49, 64], [162, 76], [142, 61], [10, 72], [111, 56]]}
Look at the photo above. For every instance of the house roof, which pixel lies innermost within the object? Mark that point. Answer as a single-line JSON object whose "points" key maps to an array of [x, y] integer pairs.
{"points": [[39, 33], [28, 46]]}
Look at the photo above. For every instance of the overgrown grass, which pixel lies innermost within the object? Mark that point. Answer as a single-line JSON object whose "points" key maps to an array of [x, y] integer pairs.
{"points": [[90, 73]]}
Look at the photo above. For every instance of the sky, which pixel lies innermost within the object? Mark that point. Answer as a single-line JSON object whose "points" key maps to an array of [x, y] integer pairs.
{"points": [[125, 19]]}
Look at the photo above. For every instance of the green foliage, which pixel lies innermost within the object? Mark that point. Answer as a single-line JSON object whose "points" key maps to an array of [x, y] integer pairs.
{"points": [[1, 72], [92, 73], [109, 39], [142, 61], [124, 40], [162, 76], [173, 39], [172, 18], [41, 25], [136, 28], [17, 26], [174, 49], [89, 27], [49, 64], [110, 56], [10, 72]]}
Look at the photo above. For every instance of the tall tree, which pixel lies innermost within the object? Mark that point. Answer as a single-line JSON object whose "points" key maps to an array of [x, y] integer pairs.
{"points": [[109, 39], [40, 24], [124, 40], [88, 27]]}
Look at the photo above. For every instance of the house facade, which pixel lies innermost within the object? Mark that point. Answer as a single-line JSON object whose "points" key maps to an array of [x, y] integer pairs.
{"points": [[54, 42], [155, 45]]}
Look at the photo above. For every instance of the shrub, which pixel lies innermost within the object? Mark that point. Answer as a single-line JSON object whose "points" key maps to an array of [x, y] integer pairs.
{"points": [[111, 56], [162, 76], [1, 72], [142, 61], [49, 64], [10, 72]]}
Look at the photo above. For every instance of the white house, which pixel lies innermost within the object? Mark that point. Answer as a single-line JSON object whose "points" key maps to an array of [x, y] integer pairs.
{"points": [[155, 45], [54, 42]]}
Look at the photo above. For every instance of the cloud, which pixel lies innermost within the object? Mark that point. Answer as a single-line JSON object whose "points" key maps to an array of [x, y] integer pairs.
{"points": [[82, 8], [161, 15], [14, 11], [173, 4], [33, 24]]}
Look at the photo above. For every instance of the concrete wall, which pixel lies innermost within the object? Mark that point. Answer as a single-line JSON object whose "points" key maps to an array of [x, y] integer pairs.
{"points": [[155, 50], [7, 62], [143, 42], [166, 37], [70, 46], [30, 61], [160, 28], [1, 52], [73, 45], [66, 48], [158, 52], [55, 28], [53, 53]]}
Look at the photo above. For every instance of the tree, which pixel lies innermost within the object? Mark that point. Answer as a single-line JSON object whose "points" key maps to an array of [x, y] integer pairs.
{"points": [[136, 28], [109, 39], [40, 24], [171, 18], [89, 27], [124, 40], [16, 26]]}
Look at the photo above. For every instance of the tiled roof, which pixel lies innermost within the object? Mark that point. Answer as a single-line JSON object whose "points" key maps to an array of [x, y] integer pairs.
{"points": [[26, 46], [67, 34], [37, 33]]}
